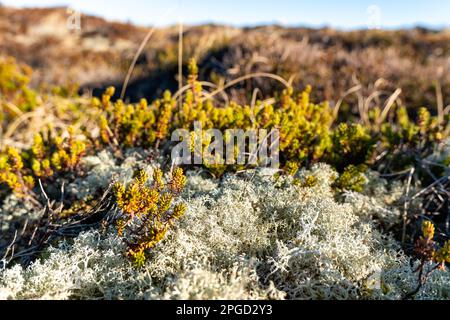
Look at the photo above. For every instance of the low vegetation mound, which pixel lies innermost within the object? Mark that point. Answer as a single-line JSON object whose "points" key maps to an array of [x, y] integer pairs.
{"points": [[94, 206]]}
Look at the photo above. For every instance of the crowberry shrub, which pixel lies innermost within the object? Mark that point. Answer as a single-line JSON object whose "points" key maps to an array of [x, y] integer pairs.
{"points": [[148, 211]]}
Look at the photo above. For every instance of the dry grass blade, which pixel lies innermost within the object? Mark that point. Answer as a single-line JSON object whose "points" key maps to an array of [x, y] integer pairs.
{"points": [[389, 103], [180, 63], [180, 92], [247, 77], [341, 100], [440, 102], [406, 205], [138, 53], [135, 59]]}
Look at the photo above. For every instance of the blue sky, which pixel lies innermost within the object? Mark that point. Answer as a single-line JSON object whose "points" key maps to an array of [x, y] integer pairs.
{"points": [[345, 14]]}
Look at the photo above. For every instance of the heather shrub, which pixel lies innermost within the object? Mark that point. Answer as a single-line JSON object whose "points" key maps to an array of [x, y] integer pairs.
{"points": [[309, 132], [49, 156], [146, 215], [17, 96]]}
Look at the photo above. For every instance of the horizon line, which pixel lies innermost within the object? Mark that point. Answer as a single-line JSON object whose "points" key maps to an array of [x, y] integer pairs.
{"points": [[276, 23]]}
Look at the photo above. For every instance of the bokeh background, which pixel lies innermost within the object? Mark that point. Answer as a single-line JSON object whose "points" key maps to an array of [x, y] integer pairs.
{"points": [[370, 48], [348, 14]]}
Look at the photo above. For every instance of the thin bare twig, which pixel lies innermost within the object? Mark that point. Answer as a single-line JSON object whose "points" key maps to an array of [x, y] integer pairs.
{"points": [[180, 64], [135, 59], [406, 205]]}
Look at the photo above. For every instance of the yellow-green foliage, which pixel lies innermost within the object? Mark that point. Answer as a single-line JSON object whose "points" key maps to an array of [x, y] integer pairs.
{"points": [[60, 154], [351, 145], [307, 134], [148, 211], [14, 80], [291, 168], [304, 126], [48, 156], [12, 173], [133, 125], [407, 140], [352, 179], [428, 250], [432, 256]]}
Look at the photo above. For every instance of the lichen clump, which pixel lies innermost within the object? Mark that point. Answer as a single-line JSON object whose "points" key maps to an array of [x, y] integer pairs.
{"points": [[264, 238]]}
